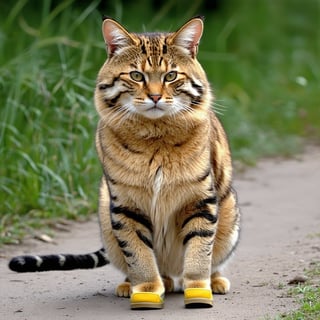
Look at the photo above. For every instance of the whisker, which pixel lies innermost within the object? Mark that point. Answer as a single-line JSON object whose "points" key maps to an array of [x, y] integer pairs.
{"points": [[220, 105], [116, 117], [185, 109], [219, 108]]}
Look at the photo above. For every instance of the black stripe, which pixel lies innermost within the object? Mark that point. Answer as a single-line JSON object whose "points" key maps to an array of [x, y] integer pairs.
{"points": [[219, 177], [113, 198], [128, 86], [143, 49], [206, 214], [127, 253], [144, 239], [179, 144], [101, 257], [204, 176], [108, 178], [53, 262], [122, 243], [116, 225], [164, 49], [199, 88], [153, 155], [159, 168], [194, 99], [113, 102], [200, 233], [226, 194], [104, 86], [138, 217], [130, 149], [115, 99], [177, 85], [210, 200]]}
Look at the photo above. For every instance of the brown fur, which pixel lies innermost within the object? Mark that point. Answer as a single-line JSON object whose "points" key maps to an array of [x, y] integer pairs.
{"points": [[166, 204]]}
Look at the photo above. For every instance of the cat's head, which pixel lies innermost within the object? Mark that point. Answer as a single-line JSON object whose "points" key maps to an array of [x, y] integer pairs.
{"points": [[154, 75]]}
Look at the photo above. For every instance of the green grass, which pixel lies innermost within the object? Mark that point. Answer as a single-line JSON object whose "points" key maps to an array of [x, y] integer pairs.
{"points": [[262, 58], [48, 162], [308, 297]]}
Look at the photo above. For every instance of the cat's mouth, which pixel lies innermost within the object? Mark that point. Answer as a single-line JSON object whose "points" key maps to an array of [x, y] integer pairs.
{"points": [[155, 107], [154, 112]]}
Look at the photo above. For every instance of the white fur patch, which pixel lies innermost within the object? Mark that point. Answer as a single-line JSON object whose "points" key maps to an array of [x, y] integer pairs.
{"points": [[95, 259], [119, 38], [234, 237], [21, 261], [39, 261], [186, 36], [158, 180], [62, 259], [192, 90], [112, 92]]}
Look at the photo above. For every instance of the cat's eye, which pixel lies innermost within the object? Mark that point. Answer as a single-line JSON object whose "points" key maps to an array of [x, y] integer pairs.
{"points": [[136, 76], [170, 76]]}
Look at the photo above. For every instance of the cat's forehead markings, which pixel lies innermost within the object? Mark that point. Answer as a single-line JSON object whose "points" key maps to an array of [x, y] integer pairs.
{"points": [[153, 44]]}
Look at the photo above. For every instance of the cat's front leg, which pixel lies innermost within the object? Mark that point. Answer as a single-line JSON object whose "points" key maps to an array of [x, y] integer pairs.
{"points": [[133, 231], [198, 226]]}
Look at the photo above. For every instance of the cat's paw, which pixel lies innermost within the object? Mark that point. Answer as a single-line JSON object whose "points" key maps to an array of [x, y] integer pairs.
{"points": [[156, 286], [123, 289], [219, 284]]}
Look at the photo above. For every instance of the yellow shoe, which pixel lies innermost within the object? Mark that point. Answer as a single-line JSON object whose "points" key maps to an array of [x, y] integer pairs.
{"points": [[146, 300], [198, 298]]}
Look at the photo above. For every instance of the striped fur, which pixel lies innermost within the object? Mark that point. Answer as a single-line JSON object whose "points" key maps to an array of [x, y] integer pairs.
{"points": [[58, 262], [166, 204]]}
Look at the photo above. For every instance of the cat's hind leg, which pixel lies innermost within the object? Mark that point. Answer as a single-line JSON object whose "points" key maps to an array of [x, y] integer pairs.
{"points": [[226, 240], [124, 289], [219, 284]]}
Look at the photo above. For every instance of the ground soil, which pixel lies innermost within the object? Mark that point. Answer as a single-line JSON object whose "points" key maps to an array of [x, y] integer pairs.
{"points": [[280, 203]]}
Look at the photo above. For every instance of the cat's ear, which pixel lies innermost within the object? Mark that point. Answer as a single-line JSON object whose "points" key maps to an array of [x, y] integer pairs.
{"points": [[115, 36], [189, 35]]}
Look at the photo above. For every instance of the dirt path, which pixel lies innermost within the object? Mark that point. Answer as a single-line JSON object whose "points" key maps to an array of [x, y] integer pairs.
{"points": [[280, 202]]}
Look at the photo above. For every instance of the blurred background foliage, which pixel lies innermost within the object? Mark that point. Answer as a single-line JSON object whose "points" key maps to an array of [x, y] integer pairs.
{"points": [[261, 56]]}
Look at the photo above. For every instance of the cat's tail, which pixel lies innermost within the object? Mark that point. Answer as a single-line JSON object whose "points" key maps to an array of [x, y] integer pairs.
{"points": [[59, 262]]}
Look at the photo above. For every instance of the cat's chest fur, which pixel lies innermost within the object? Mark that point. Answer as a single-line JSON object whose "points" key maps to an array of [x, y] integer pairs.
{"points": [[158, 175], [155, 166]]}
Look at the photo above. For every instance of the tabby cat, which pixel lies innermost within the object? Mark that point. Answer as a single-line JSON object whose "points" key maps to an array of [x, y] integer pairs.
{"points": [[166, 205]]}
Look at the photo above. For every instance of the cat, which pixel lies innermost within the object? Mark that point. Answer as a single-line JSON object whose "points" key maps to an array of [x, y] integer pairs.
{"points": [[166, 203]]}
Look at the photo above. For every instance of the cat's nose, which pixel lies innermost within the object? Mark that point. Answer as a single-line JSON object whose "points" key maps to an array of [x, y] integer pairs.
{"points": [[155, 97]]}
